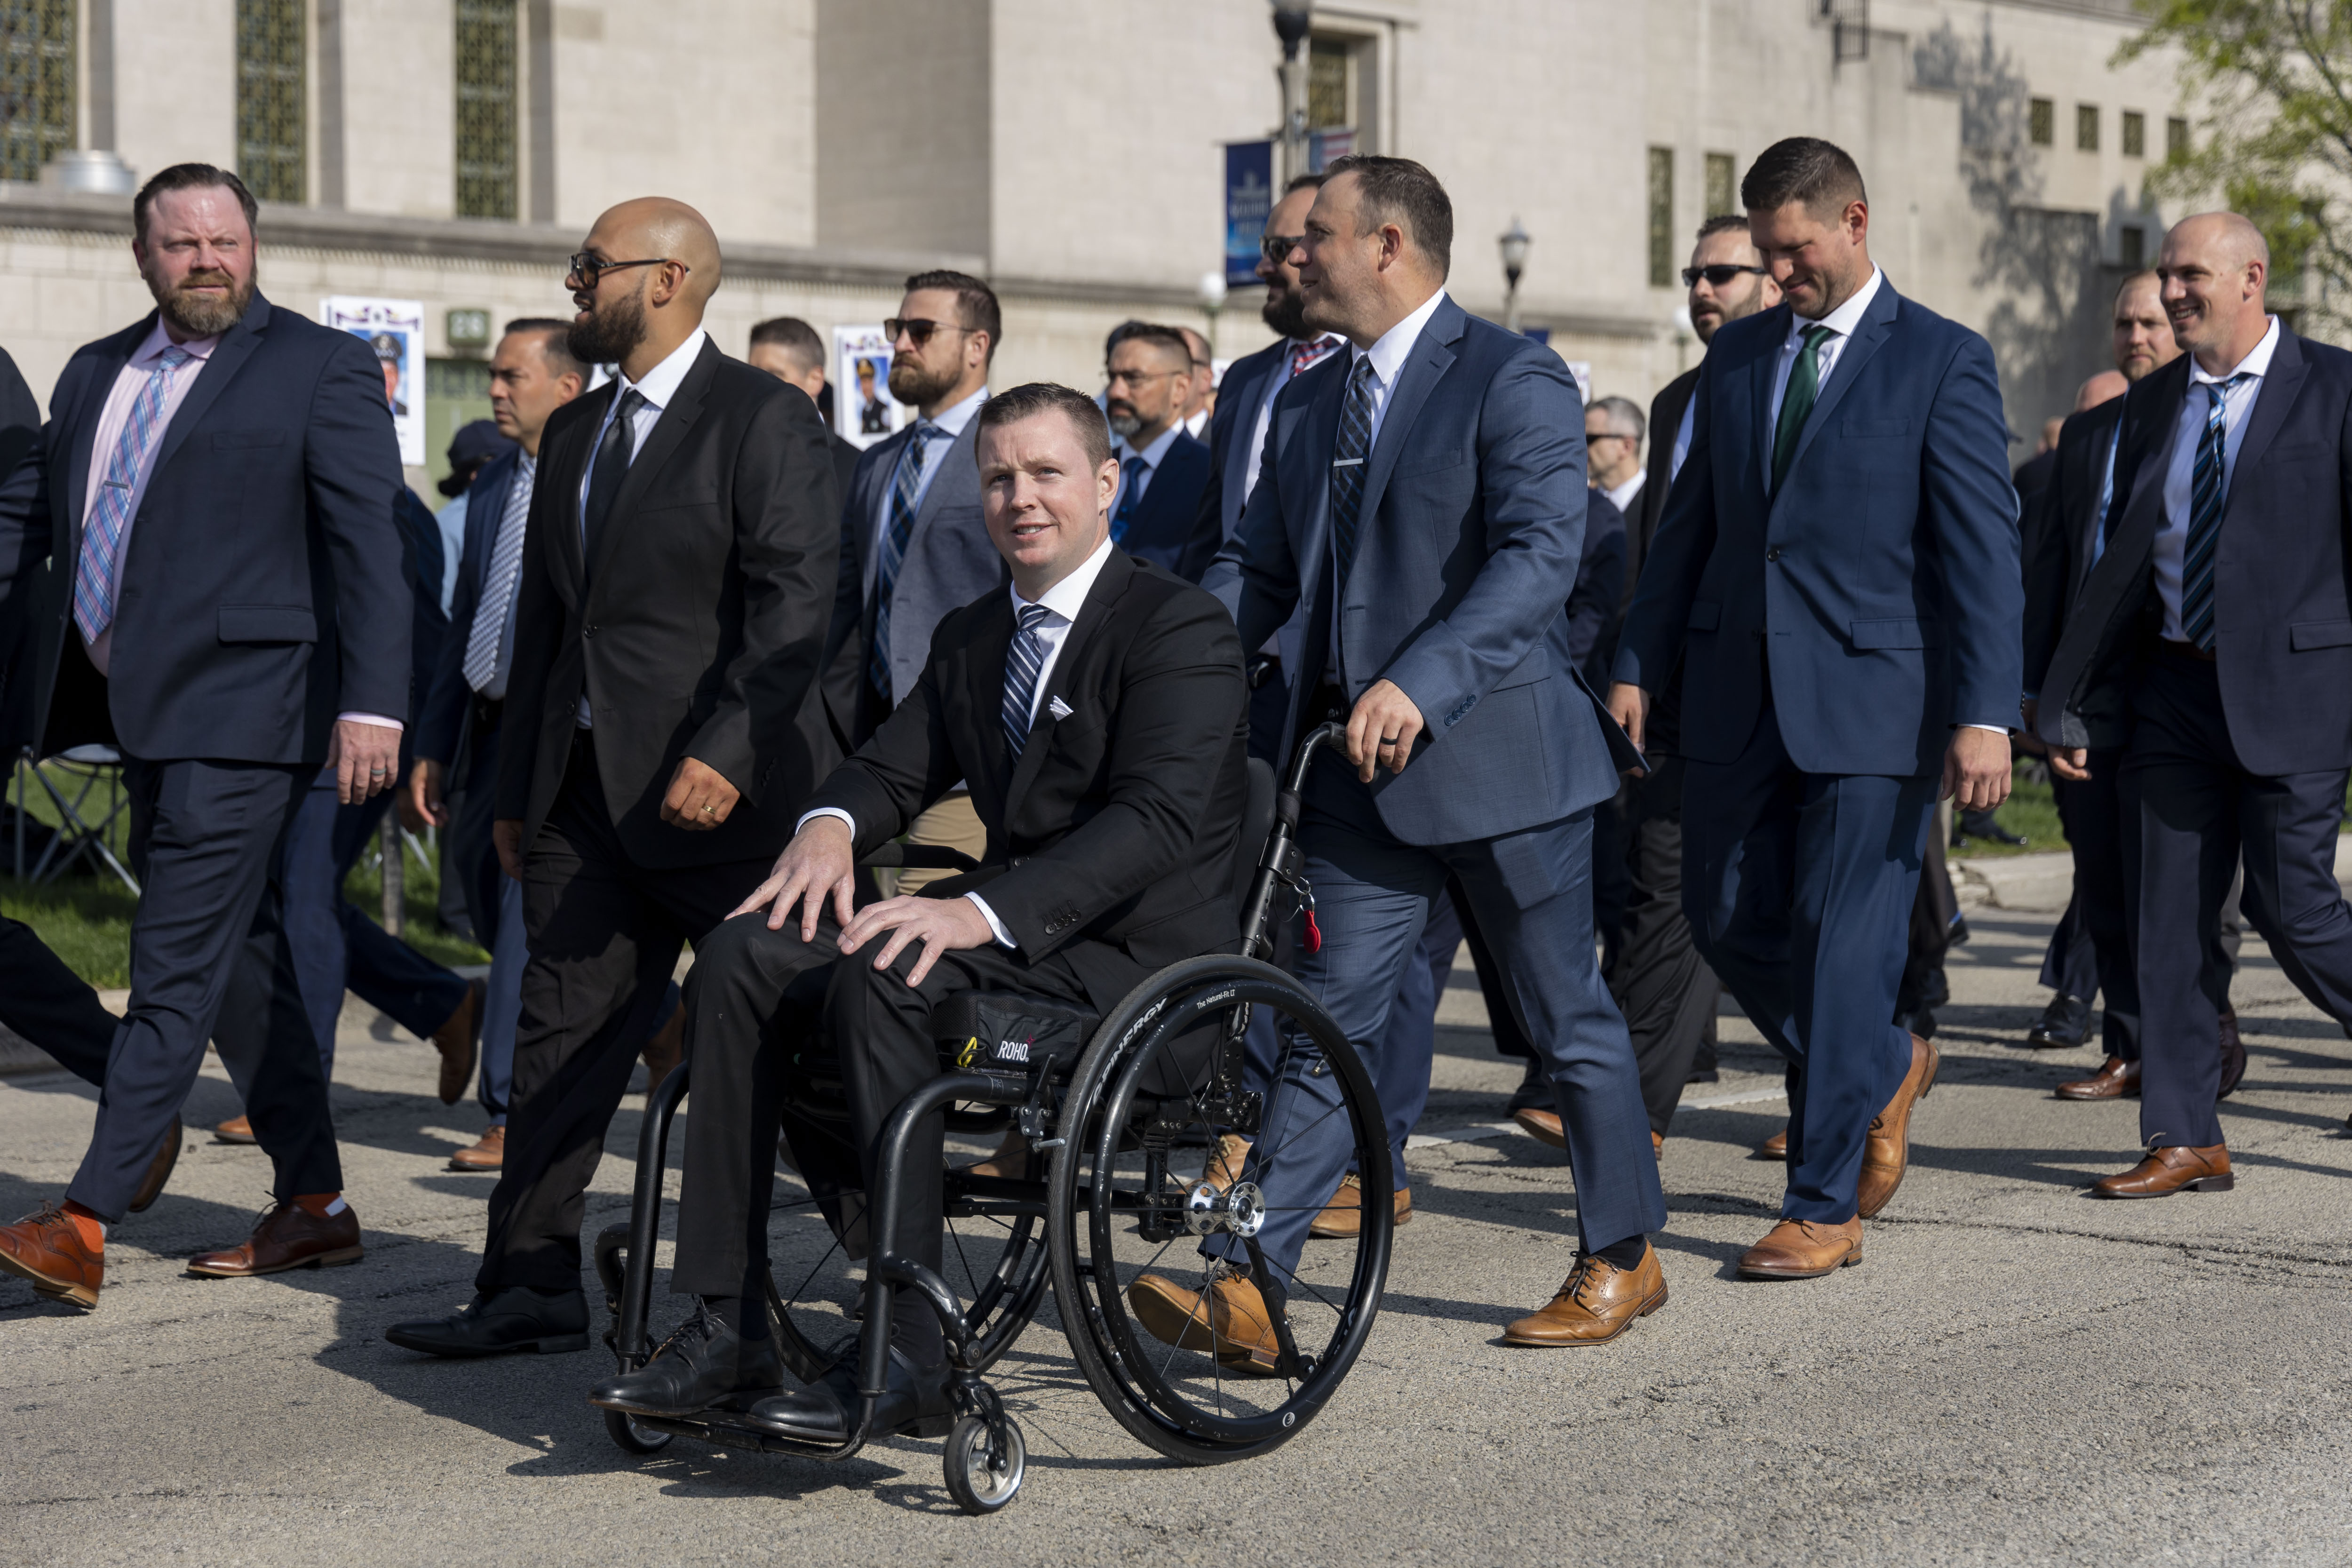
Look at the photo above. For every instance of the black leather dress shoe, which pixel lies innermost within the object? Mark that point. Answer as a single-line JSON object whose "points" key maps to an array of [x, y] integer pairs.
{"points": [[1534, 1092], [2233, 1055], [706, 1362], [915, 1402], [517, 1319], [2065, 1023]]}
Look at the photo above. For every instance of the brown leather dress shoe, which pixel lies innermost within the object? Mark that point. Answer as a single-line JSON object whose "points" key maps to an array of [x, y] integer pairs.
{"points": [[1776, 1147], [1542, 1125], [1343, 1217], [1224, 1167], [235, 1130], [159, 1169], [2234, 1054], [288, 1236], [2115, 1080], [1010, 1162], [47, 1248], [1800, 1250], [1886, 1151], [2170, 1170], [489, 1155], [1658, 1144], [1233, 1322], [664, 1050], [1597, 1302], [458, 1039]]}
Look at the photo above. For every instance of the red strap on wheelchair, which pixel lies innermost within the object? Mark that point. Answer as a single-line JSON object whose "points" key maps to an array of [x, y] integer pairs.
{"points": [[1314, 941]]}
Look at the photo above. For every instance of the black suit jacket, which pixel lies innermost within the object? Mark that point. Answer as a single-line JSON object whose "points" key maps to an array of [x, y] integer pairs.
{"points": [[698, 628], [1663, 736], [2055, 529], [2281, 602], [1169, 528], [20, 429], [267, 585], [1112, 839]]}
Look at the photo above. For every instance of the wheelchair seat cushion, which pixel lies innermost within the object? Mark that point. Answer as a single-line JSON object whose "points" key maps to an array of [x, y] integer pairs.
{"points": [[1006, 1031]]}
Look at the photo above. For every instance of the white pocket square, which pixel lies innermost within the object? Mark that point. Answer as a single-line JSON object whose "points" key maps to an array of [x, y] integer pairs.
{"points": [[1058, 708]]}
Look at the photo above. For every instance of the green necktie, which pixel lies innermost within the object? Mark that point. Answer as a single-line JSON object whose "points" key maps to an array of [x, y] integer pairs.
{"points": [[1804, 386]]}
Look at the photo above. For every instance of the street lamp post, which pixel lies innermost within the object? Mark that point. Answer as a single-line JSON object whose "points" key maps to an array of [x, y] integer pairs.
{"points": [[1211, 297], [1514, 246], [1291, 20]]}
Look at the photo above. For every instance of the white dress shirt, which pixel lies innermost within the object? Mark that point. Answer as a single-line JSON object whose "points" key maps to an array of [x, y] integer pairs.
{"points": [[1152, 457], [1275, 383], [1622, 496], [1841, 322], [660, 385], [1682, 438], [452, 519], [2180, 461], [1062, 602], [1195, 423]]}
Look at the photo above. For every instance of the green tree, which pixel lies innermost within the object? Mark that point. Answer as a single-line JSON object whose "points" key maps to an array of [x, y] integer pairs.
{"points": [[2272, 82]]}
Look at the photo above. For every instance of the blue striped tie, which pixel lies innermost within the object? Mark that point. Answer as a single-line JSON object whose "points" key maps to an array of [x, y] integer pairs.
{"points": [[904, 487], [102, 539], [1131, 498], [489, 630], [1347, 455], [2206, 488], [1021, 663]]}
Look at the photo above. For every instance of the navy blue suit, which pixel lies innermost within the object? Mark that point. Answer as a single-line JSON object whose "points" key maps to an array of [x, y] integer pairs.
{"points": [[263, 592], [1168, 528], [1837, 630], [1470, 531], [2246, 750]]}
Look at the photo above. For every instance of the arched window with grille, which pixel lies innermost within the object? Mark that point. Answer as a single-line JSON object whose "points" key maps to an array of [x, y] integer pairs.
{"points": [[36, 84], [270, 131], [486, 73]]}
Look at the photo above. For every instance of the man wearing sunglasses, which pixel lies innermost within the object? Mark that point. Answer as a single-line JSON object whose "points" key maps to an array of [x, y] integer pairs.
{"points": [[913, 547], [662, 722]]}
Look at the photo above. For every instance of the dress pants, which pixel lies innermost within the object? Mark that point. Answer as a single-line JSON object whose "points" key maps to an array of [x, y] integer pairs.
{"points": [[2091, 949], [753, 999], [2198, 808], [50, 1006], [494, 900], [605, 935], [1661, 983], [338, 948], [209, 959], [1530, 894], [1800, 888]]}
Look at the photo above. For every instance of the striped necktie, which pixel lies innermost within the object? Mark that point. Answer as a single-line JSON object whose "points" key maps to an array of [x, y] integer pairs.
{"points": [[905, 488], [1305, 357], [102, 540], [1347, 454], [1023, 661], [2208, 485], [489, 630], [1131, 498]]}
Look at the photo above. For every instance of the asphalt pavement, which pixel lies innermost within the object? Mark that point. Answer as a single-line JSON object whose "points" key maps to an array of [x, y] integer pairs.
{"points": [[2016, 1374]]}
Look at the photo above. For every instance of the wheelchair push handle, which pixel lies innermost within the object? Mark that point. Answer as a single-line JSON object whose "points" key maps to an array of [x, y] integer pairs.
{"points": [[1286, 805], [1277, 864]]}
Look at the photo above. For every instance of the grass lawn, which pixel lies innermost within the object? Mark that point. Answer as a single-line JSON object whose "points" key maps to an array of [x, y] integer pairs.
{"points": [[2030, 812]]}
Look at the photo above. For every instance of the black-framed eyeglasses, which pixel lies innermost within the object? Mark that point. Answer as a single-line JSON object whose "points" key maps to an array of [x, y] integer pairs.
{"points": [[589, 269], [1139, 377], [1276, 248], [1718, 275], [920, 332], [1592, 436]]}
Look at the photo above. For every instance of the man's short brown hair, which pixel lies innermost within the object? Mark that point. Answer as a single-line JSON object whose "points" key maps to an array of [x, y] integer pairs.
{"points": [[1152, 332], [795, 337], [190, 177], [1803, 169], [1400, 191], [975, 302], [554, 344], [1044, 396], [1722, 222]]}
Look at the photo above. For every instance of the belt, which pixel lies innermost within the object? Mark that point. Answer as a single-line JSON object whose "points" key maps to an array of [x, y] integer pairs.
{"points": [[1328, 701], [2181, 649]]}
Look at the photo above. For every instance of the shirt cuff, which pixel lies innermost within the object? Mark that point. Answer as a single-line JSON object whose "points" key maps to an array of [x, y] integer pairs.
{"points": [[393, 725], [1995, 729], [1003, 938], [832, 811]]}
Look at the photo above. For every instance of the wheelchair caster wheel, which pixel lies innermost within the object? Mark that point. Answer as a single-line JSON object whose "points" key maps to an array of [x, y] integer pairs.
{"points": [[634, 1439], [984, 1468]]}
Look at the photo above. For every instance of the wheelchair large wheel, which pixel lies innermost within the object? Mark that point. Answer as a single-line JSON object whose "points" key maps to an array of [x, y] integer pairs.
{"points": [[1126, 1199]]}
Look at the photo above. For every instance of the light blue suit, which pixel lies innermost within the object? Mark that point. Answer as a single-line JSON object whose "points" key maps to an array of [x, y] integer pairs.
{"points": [[1470, 533]]}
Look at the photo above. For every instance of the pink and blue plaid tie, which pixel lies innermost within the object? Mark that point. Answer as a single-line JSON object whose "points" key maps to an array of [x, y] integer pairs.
{"points": [[101, 540]]}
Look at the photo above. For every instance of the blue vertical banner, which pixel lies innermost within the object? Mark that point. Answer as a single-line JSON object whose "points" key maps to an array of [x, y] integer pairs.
{"points": [[1249, 198]]}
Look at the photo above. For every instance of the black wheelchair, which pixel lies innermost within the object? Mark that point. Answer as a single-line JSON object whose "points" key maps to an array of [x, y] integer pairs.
{"points": [[1132, 1115]]}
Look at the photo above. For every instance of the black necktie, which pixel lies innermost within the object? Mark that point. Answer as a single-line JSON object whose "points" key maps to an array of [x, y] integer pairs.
{"points": [[610, 467]]}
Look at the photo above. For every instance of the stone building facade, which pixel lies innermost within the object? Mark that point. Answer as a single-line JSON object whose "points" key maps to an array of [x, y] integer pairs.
{"points": [[454, 150]]}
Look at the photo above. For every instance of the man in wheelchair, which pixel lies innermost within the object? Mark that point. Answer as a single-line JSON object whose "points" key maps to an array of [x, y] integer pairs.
{"points": [[1098, 714]]}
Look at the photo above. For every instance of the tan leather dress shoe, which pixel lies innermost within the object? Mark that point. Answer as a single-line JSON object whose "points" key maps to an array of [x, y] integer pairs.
{"points": [[47, 1248], [288, 1236], [1800, 1250], [1541, 1125], [1598, 1301], [458, 1040], [1343, 1217], [665, 1049], [2170, 1170], [1009, 1163], [489, 1155], [1233, 1322], [2115, 1080], [159, 1169], [1776, 1147], [1658, 1144], [235, 1130], [1224, 1167], [1886, 1150]]}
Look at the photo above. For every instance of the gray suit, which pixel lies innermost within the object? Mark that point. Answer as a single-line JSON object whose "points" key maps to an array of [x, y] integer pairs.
{"points": [[949, 563], [1471, 528]]}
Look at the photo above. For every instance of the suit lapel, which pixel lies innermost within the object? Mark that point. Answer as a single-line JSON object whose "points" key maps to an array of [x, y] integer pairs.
{"points": [[2273, 403], [677, 418], [983, 675], [87, 411], [1305, 435], [1247, 394], [1869, 333], [963, 450], [1760, 373], [871, 496], [1431, 357], [228, 356], [1109, 583], [564, 467]]}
